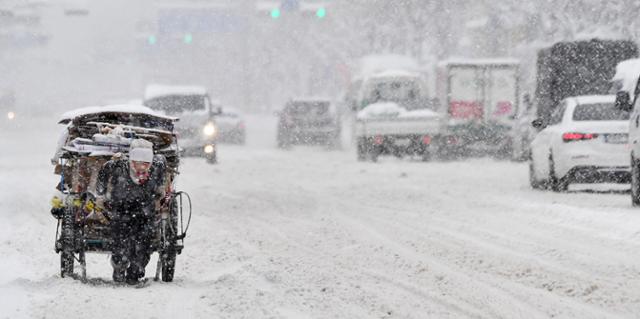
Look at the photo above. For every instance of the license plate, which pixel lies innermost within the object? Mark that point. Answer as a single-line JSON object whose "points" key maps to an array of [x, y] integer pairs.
{"points": [[403, 142], [616, 138]]}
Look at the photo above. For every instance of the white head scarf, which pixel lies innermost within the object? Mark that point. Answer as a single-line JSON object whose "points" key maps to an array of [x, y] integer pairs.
{"points": [[141, 151]]}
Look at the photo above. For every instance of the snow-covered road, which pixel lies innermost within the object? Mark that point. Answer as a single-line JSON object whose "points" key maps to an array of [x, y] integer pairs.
{"points": [[310, 233]]}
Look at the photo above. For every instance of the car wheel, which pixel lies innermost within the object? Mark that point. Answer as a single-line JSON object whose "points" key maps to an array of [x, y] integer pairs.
{"points": [[426, 154], [635, 182], [535, 184], [281, 143], [284, 141], [362, 149], [556, 184], [333, 142], [505, 152], [212, 158]]}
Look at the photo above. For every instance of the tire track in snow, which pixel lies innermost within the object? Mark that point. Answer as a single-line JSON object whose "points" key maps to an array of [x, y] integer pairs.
{"points": [[451, 259]]}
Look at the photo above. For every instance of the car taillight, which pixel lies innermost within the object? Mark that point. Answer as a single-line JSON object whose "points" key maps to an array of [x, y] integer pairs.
{"points": [[241, 125], [426, 140], [378, 140], [573, 137]]}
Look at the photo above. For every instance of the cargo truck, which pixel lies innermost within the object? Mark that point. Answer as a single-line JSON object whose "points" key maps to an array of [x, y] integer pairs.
{"points": [[479, 102]]}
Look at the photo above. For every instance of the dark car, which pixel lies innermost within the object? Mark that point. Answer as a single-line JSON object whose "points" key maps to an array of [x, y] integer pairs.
{"points": [[308, 121]]}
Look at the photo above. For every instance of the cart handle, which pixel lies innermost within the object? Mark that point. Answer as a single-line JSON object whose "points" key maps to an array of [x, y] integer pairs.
{"points": [[183, 229]]}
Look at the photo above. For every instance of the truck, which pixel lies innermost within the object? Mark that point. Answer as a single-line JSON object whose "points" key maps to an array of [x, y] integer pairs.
{"points": [[479, 101], [395, 116], [577, 68]]}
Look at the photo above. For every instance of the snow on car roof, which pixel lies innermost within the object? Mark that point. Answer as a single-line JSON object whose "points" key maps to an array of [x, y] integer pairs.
{"points": [[120, 108], [158, 90], [594, 99], [394, 73], [373, 64], [628, 72], [465, 61]]}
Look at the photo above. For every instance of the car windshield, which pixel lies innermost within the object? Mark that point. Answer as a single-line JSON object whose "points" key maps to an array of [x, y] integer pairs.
{"points": [[599, 112], [403, 92], [308, 108], [175, 104]]}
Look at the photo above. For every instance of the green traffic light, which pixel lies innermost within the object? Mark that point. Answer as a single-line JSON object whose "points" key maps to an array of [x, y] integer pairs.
{"points": [[152, 39], [321, 13], [188, 38], [275, 13]]}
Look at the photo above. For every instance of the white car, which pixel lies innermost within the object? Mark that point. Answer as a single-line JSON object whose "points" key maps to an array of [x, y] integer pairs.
{"points": [[627, 85], [197, 128], [584, 141]]}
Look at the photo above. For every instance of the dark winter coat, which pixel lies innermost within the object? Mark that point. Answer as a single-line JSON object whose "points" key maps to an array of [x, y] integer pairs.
{"points": [[127, 198]]}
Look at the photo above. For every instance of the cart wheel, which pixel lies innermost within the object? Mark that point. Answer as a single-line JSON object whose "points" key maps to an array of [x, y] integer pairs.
{"points": [[168, 265], [66, 264], [67, 241], [83, 265], [168, 256]]}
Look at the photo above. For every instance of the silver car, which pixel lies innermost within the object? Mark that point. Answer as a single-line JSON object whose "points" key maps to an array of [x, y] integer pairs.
{"points": [[197, 128]]}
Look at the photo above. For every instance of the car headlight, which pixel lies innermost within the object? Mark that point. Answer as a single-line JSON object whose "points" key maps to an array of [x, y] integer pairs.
{"points": [[11, 115], [210, 129]]}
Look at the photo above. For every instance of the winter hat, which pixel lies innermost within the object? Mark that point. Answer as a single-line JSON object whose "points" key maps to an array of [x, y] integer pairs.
{"points": [[141, 151]]}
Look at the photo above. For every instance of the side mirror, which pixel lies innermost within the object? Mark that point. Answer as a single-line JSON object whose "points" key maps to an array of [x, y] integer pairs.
{"points": [[538, 124], [623, 101]]}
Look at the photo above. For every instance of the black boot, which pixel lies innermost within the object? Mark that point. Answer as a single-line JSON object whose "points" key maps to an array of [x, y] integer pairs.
{"points": [[118, 275], [119, 265], [134, 275]]}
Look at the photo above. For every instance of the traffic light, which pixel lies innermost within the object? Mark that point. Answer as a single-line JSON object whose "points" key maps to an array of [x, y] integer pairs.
{"points": [[188, 38], [152, 40], [275, 13], [321, 12]]}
